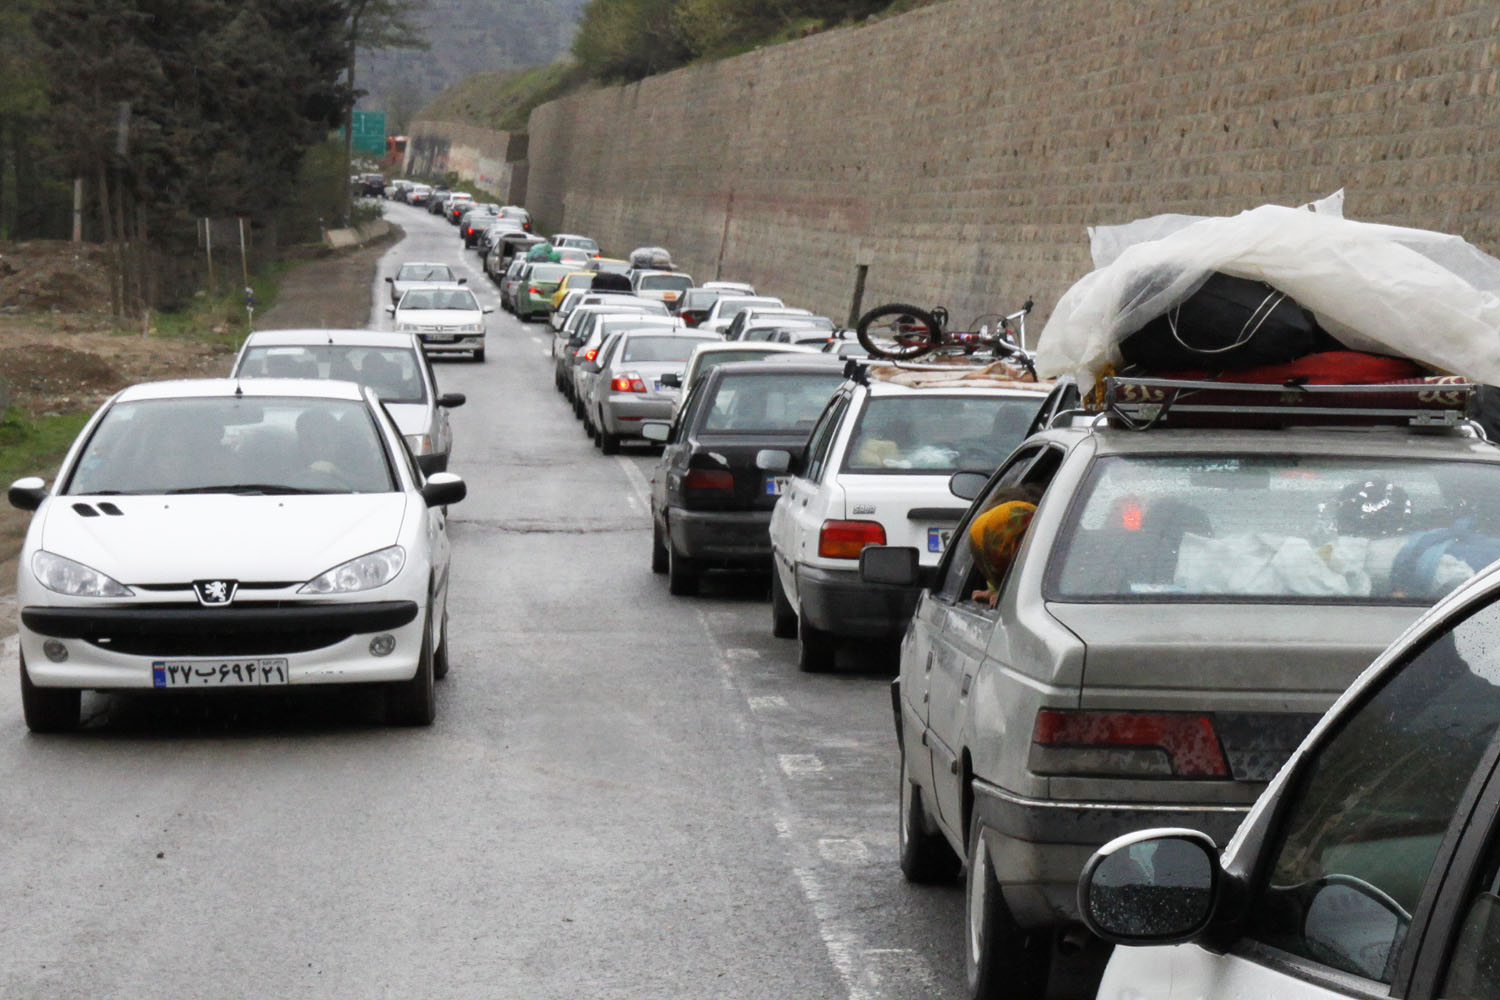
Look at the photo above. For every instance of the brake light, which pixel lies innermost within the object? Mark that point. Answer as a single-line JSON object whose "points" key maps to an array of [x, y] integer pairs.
{"points": [[590, 354], [526, 226], [628, 382], [534, 291], [847, 539], [1130, 517], [708, 479], [1126, 744]]}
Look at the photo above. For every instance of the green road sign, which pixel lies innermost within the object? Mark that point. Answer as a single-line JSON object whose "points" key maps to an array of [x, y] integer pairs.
{"points": [[369, 132]]}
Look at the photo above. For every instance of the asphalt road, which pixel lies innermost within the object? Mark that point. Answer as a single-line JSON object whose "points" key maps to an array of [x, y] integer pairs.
{"points": [[626, 794]]}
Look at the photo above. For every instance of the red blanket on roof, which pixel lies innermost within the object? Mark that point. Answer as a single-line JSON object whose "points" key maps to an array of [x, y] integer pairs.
{"points": [[1327, 368]]}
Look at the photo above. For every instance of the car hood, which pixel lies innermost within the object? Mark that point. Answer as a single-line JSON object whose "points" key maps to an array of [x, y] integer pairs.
{"points": [[178, 539], [439, 317]]}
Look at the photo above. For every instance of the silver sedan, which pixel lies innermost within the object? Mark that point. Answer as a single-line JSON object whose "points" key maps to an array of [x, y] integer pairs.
{"points": [[626, 384]]}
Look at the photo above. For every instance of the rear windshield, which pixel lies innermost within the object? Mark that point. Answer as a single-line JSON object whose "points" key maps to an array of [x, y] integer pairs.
{"points": [[731, 309], [393, 372], [551, 272], [677, 349], [938, 434], [666, 282], [750, 404], [699, 298], [713, 359], [1277, 529]]}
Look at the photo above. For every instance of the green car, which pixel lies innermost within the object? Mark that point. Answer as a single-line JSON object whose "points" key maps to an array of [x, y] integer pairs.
{"points": [[538, 283]]}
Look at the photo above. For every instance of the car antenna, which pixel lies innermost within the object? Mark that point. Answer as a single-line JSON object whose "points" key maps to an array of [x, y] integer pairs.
{"points": [[238, 392]]}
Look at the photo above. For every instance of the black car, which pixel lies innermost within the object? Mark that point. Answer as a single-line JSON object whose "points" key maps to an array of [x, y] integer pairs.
{"points": [[710, 503], [473, 223]]}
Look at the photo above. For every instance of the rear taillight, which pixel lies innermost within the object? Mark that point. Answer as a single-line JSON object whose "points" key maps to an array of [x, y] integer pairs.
{"points": [[1126, 745], [590, 354], [526, 226], [708, 479], [535, 291], [689, 319], [628, 382], [847, 539]]}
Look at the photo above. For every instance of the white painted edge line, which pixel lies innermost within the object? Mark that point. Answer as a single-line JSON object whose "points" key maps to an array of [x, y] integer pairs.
{"points": [[641, 487]]}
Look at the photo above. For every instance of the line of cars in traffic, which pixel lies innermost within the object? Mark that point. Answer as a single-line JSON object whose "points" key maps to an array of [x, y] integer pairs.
{"points": [[1187, 604]]}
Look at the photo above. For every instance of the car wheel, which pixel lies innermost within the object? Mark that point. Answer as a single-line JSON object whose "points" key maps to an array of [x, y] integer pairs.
{"points": [[682, 575], [48, 710], [658, 549], [925, 855], [998, 955], [413, 702], [479, 356], [577, 405], [440, 655], [815, 647], [608, 443], [783, 615]]}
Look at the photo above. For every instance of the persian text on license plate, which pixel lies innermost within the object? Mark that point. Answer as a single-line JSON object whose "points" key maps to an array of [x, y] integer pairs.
{"points": [[440, 338], [217, 673], [776, 485], [937, 539]]}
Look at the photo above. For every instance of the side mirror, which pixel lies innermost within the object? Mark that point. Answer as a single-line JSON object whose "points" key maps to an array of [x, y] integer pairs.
{"points": [[672, 379], [488, 310], [443, 488], [463, 281], [391, 310], [390, 281], [773, 460], [656, 430], [897, 565], [967, 485], [28, 493], [1151, 887], [452, 399]]}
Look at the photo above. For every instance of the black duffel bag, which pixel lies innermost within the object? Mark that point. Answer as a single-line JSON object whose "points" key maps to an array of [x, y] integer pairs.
{"points": [[1228, 323]]}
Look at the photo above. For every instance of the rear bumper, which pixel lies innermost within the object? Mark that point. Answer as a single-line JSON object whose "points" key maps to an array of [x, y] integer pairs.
{"points": [[623, 414], [728, 537], [1039, 847], [837, 601]]}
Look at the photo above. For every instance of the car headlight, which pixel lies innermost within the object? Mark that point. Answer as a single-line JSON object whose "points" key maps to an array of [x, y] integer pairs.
{"points": [[64, 576], [420, 444], [474, 328], [365, 573], [406, 328]]}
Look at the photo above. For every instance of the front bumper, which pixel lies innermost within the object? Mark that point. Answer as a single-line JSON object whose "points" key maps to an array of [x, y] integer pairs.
{"points": [[454, 342], [727, 537], [838, 601], [1039, 847], [111, 647]]}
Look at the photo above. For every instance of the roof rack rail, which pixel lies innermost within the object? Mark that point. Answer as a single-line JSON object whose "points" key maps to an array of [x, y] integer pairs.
{"points": [[1143, 403]]}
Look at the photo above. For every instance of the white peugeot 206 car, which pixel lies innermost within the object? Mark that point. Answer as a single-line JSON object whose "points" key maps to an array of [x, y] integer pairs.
{"points": [[222, 533]]}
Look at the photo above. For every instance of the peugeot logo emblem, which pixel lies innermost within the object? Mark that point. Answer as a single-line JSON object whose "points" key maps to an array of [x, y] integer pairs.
{"points": [[215, 591]]}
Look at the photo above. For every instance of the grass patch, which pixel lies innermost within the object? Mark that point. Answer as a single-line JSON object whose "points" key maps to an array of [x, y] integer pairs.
{"points": [[503, 100], [220, 318], [34, 446]]}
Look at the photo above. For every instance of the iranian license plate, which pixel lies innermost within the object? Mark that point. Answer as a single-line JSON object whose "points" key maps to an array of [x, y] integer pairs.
{"points": [[937, 539], [218, 673], [440, 338], [776, 485]]}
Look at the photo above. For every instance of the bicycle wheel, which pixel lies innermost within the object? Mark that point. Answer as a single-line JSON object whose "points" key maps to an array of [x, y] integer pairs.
{"points": [[898, 331]]}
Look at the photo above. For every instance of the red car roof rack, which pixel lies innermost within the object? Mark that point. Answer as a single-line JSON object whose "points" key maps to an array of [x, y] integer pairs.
{"points": [[1143, 403]]}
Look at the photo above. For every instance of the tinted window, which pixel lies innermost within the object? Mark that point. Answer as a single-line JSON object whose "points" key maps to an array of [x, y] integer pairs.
{"points": [[769, 403], [551, 272], [822, 437], [253, 444], [938, 434], [1370, 807], [393, 372], [677, 349], [666, 282], [1278, 528]]}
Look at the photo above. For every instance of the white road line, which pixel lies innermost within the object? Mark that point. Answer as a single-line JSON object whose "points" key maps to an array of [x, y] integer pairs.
{"points": [[638, 483], [794, 764], [766, 702], [742, 653], [535, 339], [843, 851]]}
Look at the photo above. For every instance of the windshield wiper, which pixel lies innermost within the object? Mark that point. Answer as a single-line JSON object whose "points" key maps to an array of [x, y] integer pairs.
{"points": [[249, 489]]}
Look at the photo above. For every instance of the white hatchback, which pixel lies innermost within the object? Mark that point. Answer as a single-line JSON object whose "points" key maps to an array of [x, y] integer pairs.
{"points": [[234, 533], [876, 472], [446, 318]]}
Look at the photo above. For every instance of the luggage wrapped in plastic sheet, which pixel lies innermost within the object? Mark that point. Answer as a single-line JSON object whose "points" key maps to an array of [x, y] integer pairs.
{"points": [[1427, 296], [651, 258]]}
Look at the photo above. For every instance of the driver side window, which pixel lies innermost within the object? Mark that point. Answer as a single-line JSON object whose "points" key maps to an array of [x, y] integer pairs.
{"points": [[1364, 818], [822, 437], [960, 577]]}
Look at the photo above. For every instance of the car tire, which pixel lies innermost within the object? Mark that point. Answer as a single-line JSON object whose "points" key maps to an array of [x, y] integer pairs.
{"points": [[682, 575], [999, 957], [925, 857], [783, 615], [413, 702], [658, 549], [815, 648], [577, 406], [440, 655], [608, 443], [48, 710], [479, 356]]}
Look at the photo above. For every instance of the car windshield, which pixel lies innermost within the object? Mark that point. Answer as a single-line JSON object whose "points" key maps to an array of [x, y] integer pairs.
{"points": [[393, 372], [938, 434], [766, 403], [611, 266], [551, 273], [440, 298], [666, 282], [581, 243], [709, 360], [677, 349], [252, 445], [424, 272], [1277, 529]]}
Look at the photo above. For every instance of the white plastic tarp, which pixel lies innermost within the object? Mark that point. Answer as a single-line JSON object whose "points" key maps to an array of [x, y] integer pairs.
{"points": [[1428, 296]]}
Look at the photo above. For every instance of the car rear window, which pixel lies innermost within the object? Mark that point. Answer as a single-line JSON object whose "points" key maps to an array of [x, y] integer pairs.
{"points": [[393, 372], [551, 272], [666, 282], [730, 309], [766, 403], [698, 298], [249, 444], [1274, 529], [677, 349], [938, 434]]}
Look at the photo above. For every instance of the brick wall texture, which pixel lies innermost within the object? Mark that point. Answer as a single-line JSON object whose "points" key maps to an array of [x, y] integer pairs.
{"points": [[961, 150]]}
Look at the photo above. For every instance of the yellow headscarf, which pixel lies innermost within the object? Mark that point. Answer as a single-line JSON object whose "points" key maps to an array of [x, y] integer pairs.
{"points": [[995, 536]]}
